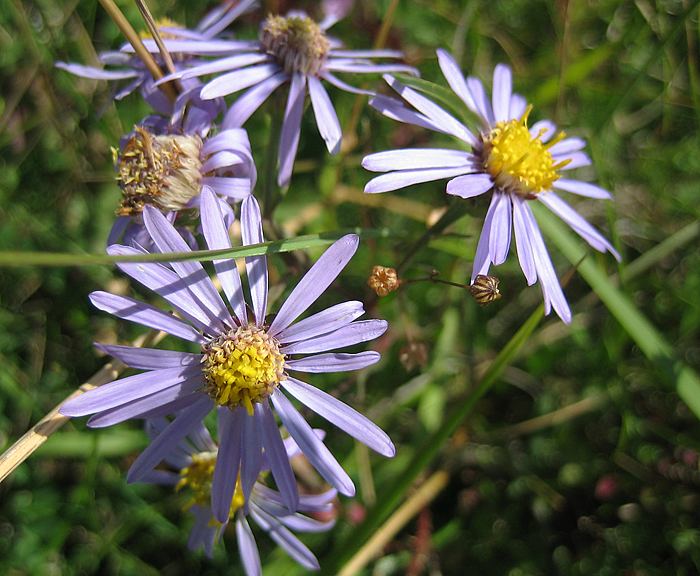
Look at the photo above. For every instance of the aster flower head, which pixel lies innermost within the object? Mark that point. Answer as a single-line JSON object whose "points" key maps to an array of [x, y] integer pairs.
{"points": [[193, 462], [243, 364], [506, 157], [168, 171], [292, 49], [190, 113]]}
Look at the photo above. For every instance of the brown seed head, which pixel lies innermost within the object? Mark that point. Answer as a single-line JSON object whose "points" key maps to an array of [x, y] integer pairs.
{"points": [[485, 289], [383, 280]]}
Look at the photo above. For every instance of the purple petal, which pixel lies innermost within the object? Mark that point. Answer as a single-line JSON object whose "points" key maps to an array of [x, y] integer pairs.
{"points": [[568, 145], [326, 118], [366, 54], [247, 547], [145, 314], [202, 534], [314, 450], [252, 449], [482, 260], [96, 73], [161, 477], [301, 523], [359, 67], [403, 178], [234, 62], [150, 358], [338, 83], [502, 91], [577, 222], [216, 236], [522, 242], [470, 185], [166, 401], [168, 240], [220, 17], [277, 458], [237, 80], [582, 189], [315, 281], [435, 113], [499, 236], [394, 109], [334, 362], [481, 101], [577, 160], [227, 463], [347, 419], [453, 74], [291, 128], [287, 541], [233, 188], [165, 283], [169, 438], [244, 106], [127, 389], [551, 289], [256, 266], [416, 158], [195, 47], [518, 105], [323, 322], [545, 129], [354, 333]]}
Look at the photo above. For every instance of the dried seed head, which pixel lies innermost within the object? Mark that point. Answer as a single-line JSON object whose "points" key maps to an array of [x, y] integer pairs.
{"points": [[242, 367], [164, 171], [485, 289], [297, 43], [383, 280]]}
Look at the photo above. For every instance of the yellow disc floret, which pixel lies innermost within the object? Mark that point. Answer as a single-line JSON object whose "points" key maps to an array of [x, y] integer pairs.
{"points": [[242, 367], [297, 43], [197, 479], [518, 161], [161, 25], [164, 171]]}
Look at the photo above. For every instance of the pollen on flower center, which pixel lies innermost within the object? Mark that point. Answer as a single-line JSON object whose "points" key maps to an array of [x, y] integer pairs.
{"points": [[197, 478], [297, 42], [518, 161], [164, 171], [242, 367], [161, 25]]}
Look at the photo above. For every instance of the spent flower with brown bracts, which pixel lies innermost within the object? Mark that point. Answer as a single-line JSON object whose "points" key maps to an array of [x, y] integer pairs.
{"points": [[192, 464], [383, 280], [168, 171], [244, 363], [291, 49], [517, 163]]}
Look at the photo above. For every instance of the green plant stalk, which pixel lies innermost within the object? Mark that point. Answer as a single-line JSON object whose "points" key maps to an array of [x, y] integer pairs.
{"points": [[389, 499], [53, 259], [650, 341]]}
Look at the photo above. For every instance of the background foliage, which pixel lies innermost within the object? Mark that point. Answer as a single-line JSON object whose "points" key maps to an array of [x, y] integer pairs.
{"points": [[581, 459]]}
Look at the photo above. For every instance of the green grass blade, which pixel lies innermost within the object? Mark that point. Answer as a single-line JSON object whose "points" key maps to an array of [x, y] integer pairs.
{"points": [[650, 341]]}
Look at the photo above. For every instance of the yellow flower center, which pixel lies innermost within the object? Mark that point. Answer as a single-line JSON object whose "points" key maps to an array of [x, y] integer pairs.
{"points": [[242, 367], [162, 23], [164, 171], [197, 478], [519, 162], [297, 43]]}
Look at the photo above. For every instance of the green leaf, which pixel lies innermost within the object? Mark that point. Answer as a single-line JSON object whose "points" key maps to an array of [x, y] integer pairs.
{"points": [[273, 247], [107, 444]]}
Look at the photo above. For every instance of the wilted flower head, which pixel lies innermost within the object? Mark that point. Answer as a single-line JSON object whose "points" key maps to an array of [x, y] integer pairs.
{"points": [[295, 49], [243, 363], [506, 157], [168, 171], [193, 462]]}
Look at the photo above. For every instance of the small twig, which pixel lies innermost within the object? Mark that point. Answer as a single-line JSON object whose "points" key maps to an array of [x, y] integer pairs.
{"points": [[423, 496], [133, 38], [153, 29], [40, 432]]}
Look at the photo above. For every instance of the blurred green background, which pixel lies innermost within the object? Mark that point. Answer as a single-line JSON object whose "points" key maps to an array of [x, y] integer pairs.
{"points": [[581, 460]]}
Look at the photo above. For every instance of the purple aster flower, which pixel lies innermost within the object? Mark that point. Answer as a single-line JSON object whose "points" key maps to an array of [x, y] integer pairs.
{"points": [[194, 461], [292, 49], [190, 113], [514, 162], [168, 171], [243, 363]]}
